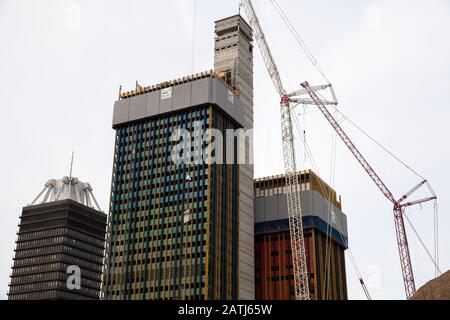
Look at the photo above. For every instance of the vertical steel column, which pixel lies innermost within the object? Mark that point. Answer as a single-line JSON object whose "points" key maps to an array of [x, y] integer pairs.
{"points": [[294, 208]]}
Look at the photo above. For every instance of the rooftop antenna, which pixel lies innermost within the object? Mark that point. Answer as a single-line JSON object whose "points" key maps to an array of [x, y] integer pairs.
{"points": [[70, 174], [71, 165]]}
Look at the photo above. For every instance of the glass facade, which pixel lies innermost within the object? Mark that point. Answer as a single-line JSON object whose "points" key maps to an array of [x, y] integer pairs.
{"points": [[153, 252]]}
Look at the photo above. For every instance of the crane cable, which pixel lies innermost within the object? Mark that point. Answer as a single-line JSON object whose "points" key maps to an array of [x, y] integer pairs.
{"points": [[194, 35], [340, 229], [316, 64], [327, 271], [434, 260], [330, 218], [328, 246], [299, 39], [423, 244], [379, 144], [332, 185], [436, 237]]}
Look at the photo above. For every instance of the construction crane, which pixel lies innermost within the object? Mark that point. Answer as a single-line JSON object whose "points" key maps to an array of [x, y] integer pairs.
{"points": [[291, 174], [294, 205], [399, 205]]}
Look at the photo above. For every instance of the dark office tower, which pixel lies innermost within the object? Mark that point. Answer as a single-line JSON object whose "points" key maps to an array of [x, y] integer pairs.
{"points": [[325, 231], [60, 245], [233, 59]]}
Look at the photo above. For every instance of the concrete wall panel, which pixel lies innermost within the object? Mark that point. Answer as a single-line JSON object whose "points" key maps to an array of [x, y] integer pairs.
{"points": [[313, 204], [138, 107], [121, 112], [153, 99], [307, 203], [282, 205], [271, 208], [182, 96], [201, 92]]}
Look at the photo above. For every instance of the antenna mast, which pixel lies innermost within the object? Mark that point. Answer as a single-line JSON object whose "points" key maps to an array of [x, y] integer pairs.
{"points": [[70, 174]]}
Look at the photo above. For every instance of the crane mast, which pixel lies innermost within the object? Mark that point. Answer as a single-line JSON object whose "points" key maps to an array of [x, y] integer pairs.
{"points": [[291, 174], [264, 48]]}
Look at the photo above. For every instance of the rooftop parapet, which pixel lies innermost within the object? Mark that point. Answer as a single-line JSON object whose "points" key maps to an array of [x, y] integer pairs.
{"points": [[206, 88], [308, 176], [140, 90]]}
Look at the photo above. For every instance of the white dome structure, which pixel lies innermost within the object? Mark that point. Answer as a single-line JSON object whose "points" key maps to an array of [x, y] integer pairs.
{"points": [[68, 188]]}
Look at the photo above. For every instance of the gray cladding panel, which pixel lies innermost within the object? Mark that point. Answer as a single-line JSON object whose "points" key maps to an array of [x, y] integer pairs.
{"points": [[241, 118], [319, 209], [153, 99], [343, 221], [273, 208], [138, 107], [121, 111], [202, 91], [271, 211], [282, 205], [181, 95], [220, 96], [306, 198]]}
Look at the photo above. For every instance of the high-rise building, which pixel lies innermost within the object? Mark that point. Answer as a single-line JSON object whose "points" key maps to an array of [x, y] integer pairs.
{"points": [[184, 230], [60, 246], [233, 58], [326, 239]]}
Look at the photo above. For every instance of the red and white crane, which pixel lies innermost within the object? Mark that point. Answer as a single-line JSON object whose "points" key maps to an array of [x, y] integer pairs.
{"points": [[399, 205], [288, 100]]}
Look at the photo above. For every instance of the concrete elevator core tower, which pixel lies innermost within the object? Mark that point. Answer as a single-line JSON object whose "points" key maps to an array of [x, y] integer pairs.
{"points": [[233, 60]]}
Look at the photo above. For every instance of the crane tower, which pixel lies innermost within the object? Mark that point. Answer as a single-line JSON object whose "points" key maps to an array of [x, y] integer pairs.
{"points": [[292, 183]]}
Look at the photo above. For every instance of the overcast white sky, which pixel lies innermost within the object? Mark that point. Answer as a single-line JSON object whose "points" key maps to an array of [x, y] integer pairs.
{"points": [[61, 64]]}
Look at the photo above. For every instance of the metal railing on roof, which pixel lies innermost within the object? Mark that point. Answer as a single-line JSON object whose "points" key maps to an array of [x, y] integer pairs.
{"points": [[140, 90]]}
